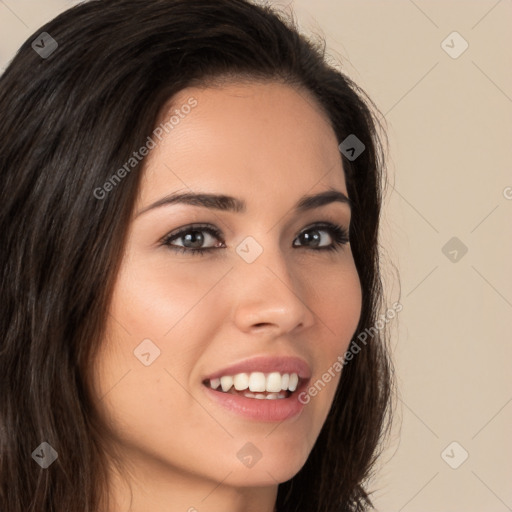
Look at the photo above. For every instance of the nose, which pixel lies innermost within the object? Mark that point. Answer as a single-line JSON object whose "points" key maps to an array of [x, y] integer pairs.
{"points": [[269, 296]]}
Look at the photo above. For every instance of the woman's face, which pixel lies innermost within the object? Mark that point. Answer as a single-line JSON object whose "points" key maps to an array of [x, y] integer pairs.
{"points": [[266, 298]]}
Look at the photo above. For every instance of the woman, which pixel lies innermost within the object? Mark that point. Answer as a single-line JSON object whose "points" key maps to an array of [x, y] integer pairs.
{"points": [[189, 221]]}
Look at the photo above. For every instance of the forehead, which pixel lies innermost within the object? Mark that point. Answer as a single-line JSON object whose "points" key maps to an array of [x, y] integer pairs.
{"points": [[261, 140]]}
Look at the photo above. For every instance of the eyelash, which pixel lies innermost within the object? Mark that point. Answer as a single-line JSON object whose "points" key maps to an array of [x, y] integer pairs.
{"points": [[338, 233]]}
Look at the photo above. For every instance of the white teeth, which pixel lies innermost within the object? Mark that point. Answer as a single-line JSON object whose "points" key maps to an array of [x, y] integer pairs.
{"points": [[260, 396], [273, 382], [226, 381], [294, 380], [257, 382], [241, 381]]}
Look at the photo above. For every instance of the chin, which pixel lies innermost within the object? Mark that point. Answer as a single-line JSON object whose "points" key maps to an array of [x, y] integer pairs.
{"points": [[267, 471]]}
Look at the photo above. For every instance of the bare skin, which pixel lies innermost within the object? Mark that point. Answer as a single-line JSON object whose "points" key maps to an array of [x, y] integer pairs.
{"points": [[270, 145]]}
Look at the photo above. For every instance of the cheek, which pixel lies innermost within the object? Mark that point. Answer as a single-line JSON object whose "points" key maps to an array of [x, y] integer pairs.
{"points": [[153, 318], [337, 307], [155, 298], [337, 304]]}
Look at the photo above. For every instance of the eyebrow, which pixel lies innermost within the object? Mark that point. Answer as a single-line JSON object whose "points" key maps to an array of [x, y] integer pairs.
{"points": [[233, 204]]}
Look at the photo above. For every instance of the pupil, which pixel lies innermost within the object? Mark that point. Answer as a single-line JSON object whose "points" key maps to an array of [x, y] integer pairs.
{"points": [[196, 237], [315, 239]]}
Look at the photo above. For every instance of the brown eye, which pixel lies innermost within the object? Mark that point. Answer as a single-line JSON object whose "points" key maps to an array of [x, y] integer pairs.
{"points": [[193, 238], [312, 237]]}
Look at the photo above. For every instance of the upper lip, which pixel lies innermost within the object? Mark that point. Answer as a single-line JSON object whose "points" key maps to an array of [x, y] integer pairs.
{"points": [[266, 364]]}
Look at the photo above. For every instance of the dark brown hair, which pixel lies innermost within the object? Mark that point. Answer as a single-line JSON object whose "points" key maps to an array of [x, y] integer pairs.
{"points": [[71, 119]]}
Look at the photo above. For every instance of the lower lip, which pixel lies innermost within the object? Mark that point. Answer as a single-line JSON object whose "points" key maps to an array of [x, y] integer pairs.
{"points": [[279, 409]]}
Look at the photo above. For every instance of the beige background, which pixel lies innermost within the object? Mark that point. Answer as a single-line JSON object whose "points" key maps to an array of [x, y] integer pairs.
{"points": [[450, 131]]}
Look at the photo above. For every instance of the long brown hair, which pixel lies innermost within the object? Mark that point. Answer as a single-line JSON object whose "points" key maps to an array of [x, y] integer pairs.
{"points": [[70, 119]]}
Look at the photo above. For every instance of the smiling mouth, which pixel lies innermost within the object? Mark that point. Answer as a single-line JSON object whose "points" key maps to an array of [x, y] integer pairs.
{"points": [[257, 385]]}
